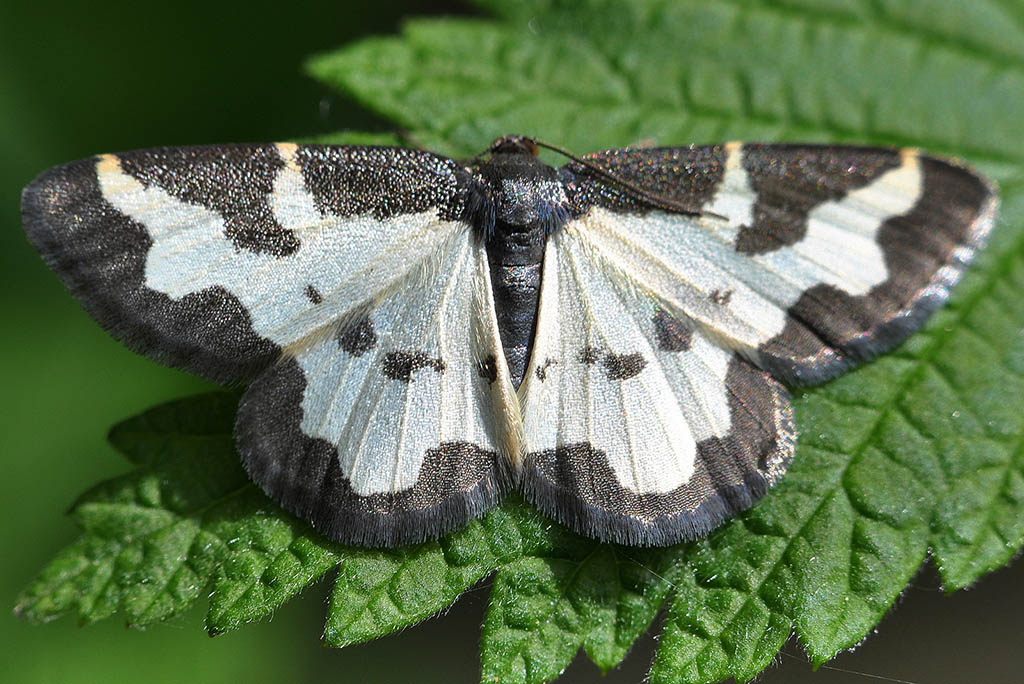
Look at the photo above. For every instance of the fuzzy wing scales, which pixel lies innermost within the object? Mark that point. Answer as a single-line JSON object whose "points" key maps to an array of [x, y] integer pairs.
{"points": [[663, 335], [639, 429], [344, 280], [394, 428]]}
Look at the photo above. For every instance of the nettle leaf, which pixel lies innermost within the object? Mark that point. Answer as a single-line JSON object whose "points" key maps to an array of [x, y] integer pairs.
{"points": [[603, 73], [140, 528], [187, 522], [564, 594], [919, 453]]}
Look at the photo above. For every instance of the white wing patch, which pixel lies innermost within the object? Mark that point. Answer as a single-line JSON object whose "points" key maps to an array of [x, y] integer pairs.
{"points": [[841, 245], [419, 384], [291, 203], [741, 300], [734, 198], [346, 261], [603, 373]]}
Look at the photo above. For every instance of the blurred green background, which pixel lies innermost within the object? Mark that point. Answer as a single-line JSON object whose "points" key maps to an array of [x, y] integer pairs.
{"points": [[81, 79]]}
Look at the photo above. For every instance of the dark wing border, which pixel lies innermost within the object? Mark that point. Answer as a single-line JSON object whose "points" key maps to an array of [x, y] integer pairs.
{"points": [[574, 484], [458, 481], [100, 256], [828, 331], [927, 251]]}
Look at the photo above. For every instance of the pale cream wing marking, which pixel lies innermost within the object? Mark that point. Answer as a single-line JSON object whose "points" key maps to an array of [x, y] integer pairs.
{"points": [[346, 260], [598, 376], [420, 384]]}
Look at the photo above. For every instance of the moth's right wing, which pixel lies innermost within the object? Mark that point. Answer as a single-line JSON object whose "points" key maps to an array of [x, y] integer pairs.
{"points": [[215, 258], [638, 428], [345, 279], [807, 259], [395, 426]]}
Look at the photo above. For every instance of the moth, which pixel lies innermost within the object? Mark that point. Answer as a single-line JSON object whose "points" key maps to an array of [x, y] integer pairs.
{"points": [[422, 335]]}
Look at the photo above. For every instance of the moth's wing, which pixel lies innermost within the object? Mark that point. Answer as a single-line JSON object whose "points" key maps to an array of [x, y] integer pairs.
{"points": [[215, 258], [817, 257], [395, 427], [353, 268], [662, 336], [638, 428]]}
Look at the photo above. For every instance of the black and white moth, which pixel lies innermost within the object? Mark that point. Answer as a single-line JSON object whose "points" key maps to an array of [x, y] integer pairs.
{"points": [[422, 335]]}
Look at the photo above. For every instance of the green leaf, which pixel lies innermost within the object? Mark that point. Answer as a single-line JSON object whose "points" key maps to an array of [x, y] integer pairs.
{"points": [[145, 550], [264, 557], [187, 522], [887, 461], [572, 593], [919, 453], [602, 73], [381, 591]]}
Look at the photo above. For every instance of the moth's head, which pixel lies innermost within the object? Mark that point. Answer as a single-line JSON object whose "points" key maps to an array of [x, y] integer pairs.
{"points": [[514, 144]]}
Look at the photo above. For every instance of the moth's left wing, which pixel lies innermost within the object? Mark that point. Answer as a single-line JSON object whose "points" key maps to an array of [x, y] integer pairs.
{"points": [[809, 258], [348, 280], [638, 428]]}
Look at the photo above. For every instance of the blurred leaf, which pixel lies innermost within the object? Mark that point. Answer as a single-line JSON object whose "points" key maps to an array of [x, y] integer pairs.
{"points": [[920, 452]]}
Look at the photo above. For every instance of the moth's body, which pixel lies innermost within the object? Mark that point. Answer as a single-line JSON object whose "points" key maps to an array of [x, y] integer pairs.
{"points": [[422, 335], [528, 204]]}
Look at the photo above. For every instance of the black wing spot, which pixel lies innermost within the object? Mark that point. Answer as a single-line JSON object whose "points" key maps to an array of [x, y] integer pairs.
{"points": [[542, 370], [357, 336], [488, 369], [589, 355], [616, 366], [721, 297], [313, 294], [623, 366], [401, 365], [673, 336]]}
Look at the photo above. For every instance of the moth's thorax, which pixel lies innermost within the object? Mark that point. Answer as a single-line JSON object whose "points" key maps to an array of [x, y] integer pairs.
{"points": [[526, 193]]}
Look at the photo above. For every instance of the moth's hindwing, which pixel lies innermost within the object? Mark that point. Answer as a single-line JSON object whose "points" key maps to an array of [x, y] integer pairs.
{"points": [[641, 429], [389, 428], [308, 267]]}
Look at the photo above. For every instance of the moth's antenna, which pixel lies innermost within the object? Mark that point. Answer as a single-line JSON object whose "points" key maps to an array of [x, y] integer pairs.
{"points": [[408, 139], [656, 200]]}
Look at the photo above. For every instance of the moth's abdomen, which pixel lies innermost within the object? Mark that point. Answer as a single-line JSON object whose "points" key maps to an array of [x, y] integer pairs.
{"points": [[515, 261]]}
